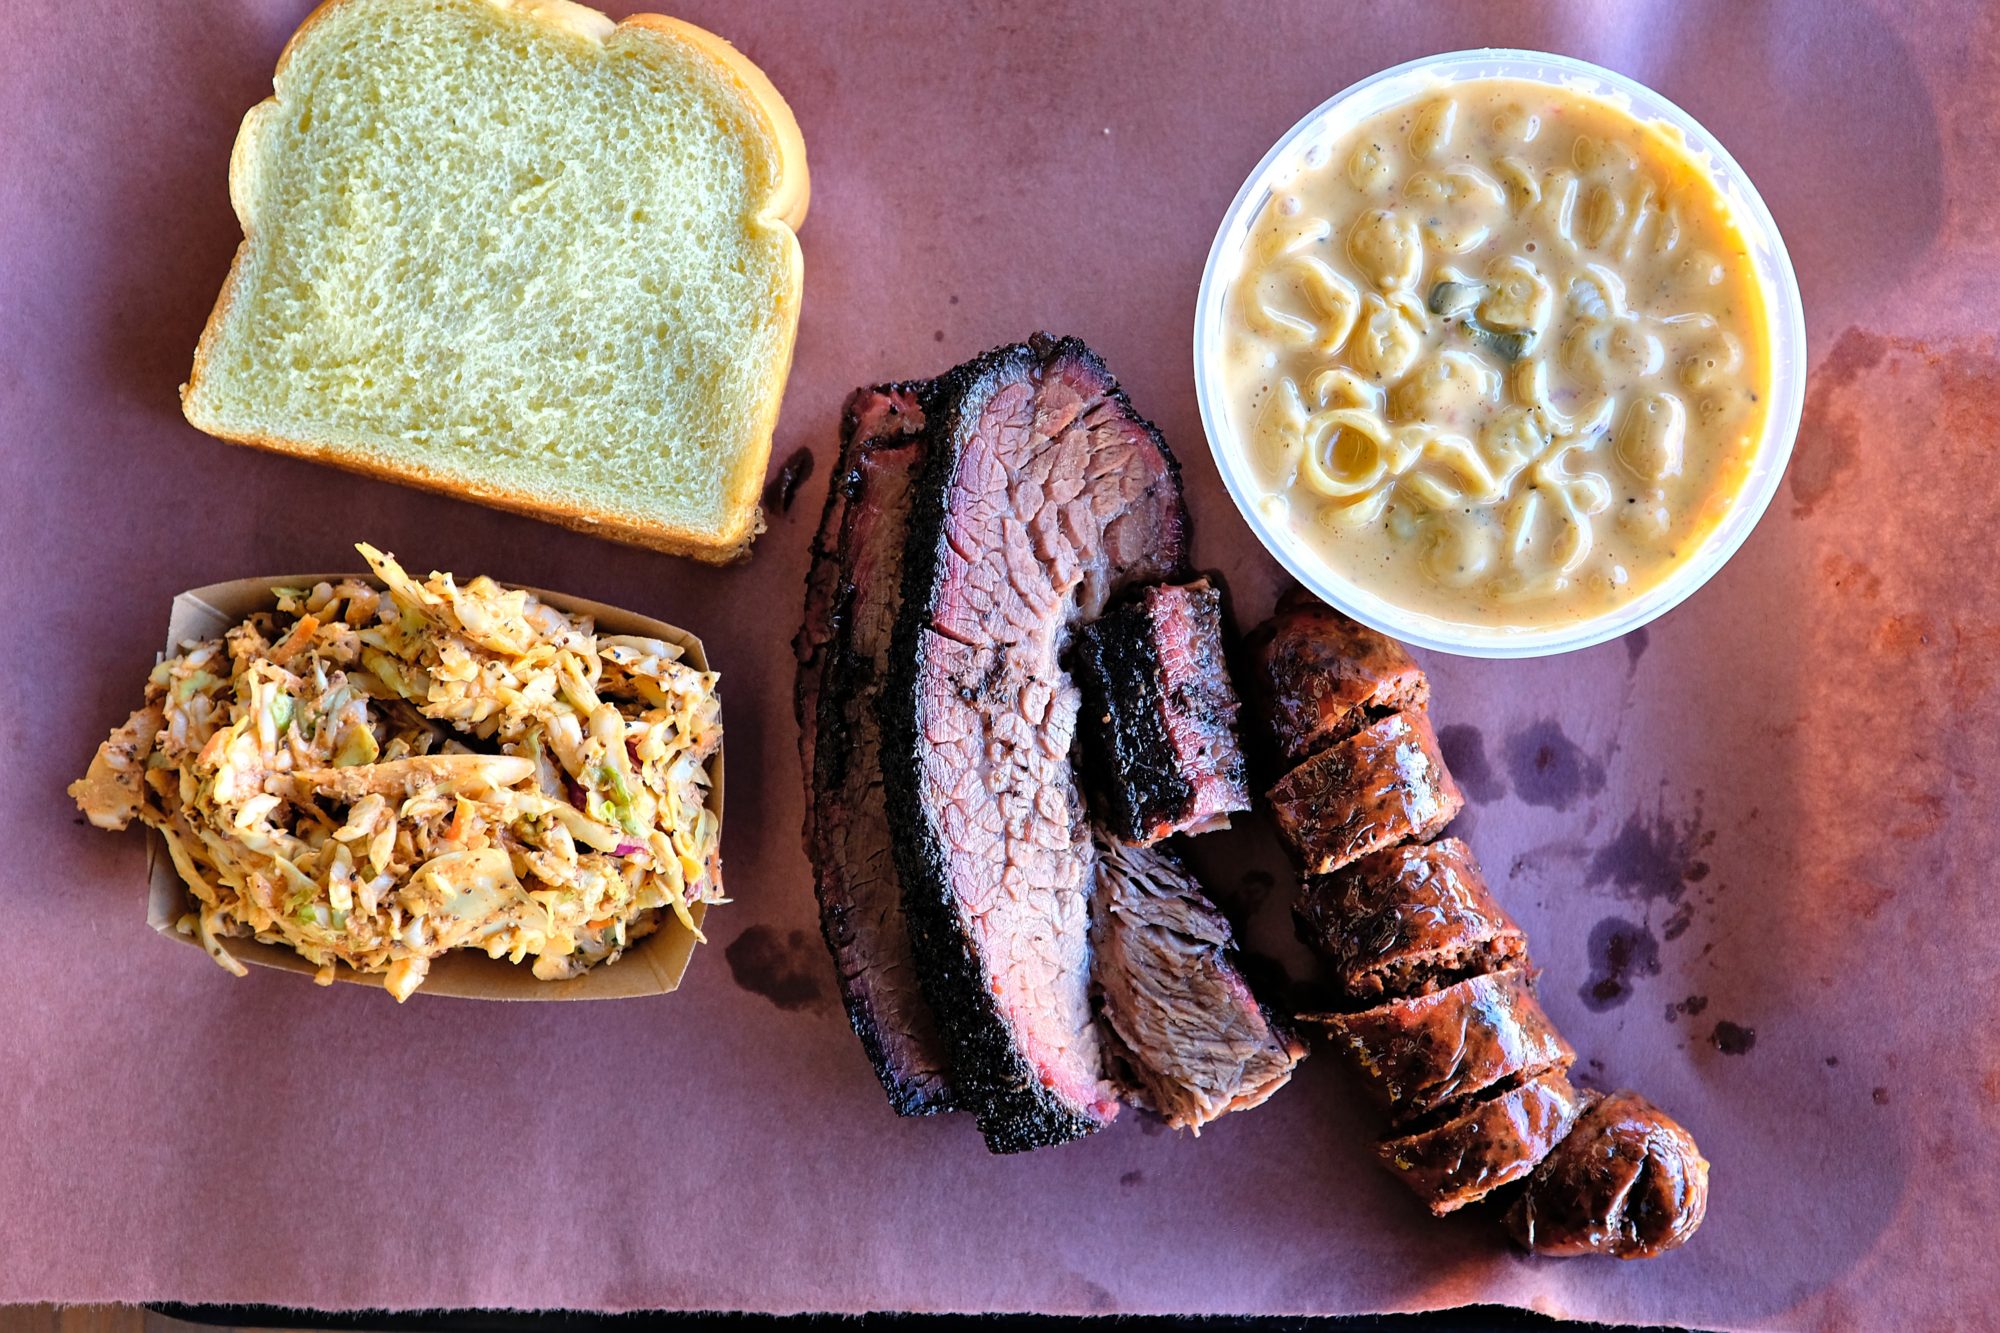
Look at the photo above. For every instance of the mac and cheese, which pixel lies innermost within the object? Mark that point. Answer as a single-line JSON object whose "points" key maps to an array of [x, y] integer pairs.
{"points": [[1499, 355]]}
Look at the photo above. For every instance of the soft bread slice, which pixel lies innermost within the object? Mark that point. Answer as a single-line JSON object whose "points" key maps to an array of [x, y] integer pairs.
{"points": [[509, 250]]}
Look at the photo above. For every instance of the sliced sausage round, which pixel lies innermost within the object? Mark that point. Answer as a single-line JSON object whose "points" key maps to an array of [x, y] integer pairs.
{"points": [[1319, 676], [1628, 1182], [1420, 1052], [1485, 1145], [1406, 920], [1383, 785]]}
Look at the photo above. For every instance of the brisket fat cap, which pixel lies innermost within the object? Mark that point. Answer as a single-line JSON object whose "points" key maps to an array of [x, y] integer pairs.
{"points": [[1159, 749], [1627, 1182], [1042, 495], [1187, 1037], [860, 897]]}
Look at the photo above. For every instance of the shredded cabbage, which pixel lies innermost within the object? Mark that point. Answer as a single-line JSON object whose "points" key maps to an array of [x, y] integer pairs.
{"points": [[376, 776]]}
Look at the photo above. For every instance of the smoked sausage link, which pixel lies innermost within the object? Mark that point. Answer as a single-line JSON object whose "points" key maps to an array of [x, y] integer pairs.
{"points": [[1628, 1182], [1440, 1021]]}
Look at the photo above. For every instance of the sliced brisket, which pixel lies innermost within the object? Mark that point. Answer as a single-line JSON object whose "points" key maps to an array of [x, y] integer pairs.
{"points": [[884, 413], [1406, 920], [1184, 1033], [1041, 496], [853, 592], [1160, 753]]}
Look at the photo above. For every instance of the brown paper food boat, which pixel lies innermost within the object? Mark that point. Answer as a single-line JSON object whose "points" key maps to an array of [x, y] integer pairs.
{"points": [[653, 966]]}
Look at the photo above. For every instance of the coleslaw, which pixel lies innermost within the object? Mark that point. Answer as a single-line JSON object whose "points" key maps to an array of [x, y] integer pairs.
{"points": [[375, 776]]}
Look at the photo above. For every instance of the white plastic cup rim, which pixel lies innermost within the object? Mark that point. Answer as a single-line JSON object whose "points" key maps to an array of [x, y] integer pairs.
{"points": [[1784, 316]]}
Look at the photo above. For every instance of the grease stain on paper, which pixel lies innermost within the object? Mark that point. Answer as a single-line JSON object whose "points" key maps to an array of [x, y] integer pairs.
{"points": [[1464, 749], [1549, 769], [1636, 644], [1620, 952], [1692, 1006], [783, 487], [785, 969], [1653, 859], [1732, 1038], [1829, 438]]}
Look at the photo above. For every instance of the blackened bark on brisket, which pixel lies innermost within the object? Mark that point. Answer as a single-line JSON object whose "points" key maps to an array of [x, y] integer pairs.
{"points": [[852, 595], [1041, 496], [1185, 1035], [1159, 746]]}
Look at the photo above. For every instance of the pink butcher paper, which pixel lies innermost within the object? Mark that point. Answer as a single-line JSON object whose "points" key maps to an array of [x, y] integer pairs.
{"points": [[1753, 845]]}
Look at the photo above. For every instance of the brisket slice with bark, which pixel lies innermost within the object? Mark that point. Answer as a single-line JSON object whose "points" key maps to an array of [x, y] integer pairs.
{"points": [[1041, 496], [852, 596], [886, 413], [1160, 754], [1185, 1036]]}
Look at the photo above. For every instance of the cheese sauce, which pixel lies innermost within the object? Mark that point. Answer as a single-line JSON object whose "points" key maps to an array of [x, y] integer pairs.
{"points": [[1500, 355]]}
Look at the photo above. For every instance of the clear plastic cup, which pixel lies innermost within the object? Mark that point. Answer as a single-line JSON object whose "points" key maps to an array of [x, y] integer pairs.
{"points": [[1786, 332]]}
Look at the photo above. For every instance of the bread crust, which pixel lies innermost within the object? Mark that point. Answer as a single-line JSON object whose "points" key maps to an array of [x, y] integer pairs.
{"points": [[785, 209]]}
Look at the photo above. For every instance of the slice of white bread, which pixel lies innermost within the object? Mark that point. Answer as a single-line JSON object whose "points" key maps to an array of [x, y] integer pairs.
{"points": [[508, 250]]}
